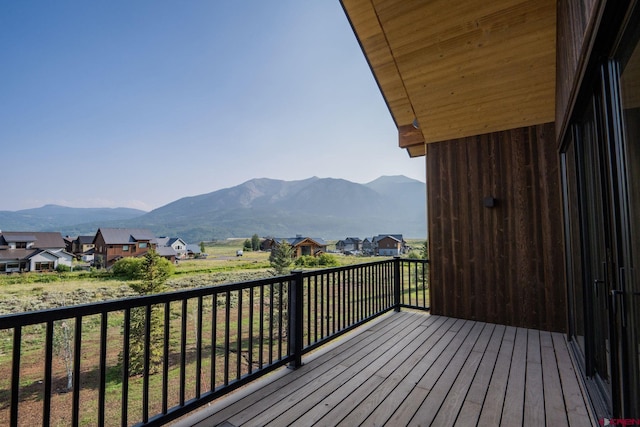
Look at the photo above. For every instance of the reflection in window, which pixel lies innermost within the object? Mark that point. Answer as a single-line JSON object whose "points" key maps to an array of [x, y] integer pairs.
{"points": [[630, 88]]}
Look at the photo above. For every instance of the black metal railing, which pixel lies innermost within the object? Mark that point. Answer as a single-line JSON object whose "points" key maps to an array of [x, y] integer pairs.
{"points": [[151, 359]]}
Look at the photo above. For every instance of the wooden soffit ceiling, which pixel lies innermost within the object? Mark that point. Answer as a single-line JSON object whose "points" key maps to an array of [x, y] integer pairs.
{"points": [[459, 68]]}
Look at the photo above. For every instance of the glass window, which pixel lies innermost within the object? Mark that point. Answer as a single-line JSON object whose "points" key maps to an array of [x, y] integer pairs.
{"points": [[125, 248], [630, 99], [44, 266], [143, 245]]}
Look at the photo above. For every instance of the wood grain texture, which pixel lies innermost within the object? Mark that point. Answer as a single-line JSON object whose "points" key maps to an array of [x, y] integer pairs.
{"points": [[439, 371], [576, 23], [461, 68], [503, 264]]}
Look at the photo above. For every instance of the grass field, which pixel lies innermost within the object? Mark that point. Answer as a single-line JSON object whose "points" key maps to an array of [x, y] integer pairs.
{"points": [[50, 290], [35, 291]]}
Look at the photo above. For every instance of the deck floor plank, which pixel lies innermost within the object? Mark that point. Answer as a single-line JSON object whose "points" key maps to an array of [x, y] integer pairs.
{"points": [[470, 411], [439, 391], [327, 364], [396, 396], [555, 411], [454, 400], [321, 400], [297, 405], [407, 408], [513, 409], [534, 391], [356, 406], [494, 400], [574, 398], [411, 368]]}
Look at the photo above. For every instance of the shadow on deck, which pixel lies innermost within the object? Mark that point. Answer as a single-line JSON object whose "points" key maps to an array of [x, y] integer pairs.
{"points": [[411, 368]]}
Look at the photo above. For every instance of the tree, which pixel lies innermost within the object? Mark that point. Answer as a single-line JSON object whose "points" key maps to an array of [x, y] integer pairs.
{"points": [[280, 258], [63, 347], [255, 242], [424, 250], [247, 245], [202, 248], [154, 272]]}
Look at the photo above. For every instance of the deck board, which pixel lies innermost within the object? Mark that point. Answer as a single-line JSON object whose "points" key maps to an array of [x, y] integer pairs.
{"points": [[415, 369]]}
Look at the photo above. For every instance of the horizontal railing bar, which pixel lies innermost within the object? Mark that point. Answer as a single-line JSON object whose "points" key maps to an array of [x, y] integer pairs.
{"points": [[13, 320]]}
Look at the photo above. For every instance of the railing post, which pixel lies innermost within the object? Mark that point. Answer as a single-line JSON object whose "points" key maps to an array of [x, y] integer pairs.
{"points": [[296, 317], [396, 283]]}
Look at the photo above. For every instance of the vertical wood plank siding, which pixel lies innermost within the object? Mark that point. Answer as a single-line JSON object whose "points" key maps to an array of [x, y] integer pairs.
{"points": [[502, 264], [575, 24]]}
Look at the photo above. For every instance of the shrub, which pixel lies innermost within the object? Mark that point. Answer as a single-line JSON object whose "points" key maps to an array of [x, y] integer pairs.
{"points": [[61, 268], [306, 261], [413, 255], [328, 260], [128, 268]]}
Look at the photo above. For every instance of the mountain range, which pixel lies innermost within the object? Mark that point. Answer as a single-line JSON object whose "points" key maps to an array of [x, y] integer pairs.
{"points": [[321, 207]]}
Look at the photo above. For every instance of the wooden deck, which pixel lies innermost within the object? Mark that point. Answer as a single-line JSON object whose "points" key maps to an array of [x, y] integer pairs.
{"points": [[415, 369]]}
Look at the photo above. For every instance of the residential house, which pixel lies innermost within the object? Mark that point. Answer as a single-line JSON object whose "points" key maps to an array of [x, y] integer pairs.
{"points": [[22, 251], [112, 244], [388, 245], [178, 245], [68, 242], [167, 252], [301, 245], [193, 251], [82, 244], [350, 244], [367, 246]]}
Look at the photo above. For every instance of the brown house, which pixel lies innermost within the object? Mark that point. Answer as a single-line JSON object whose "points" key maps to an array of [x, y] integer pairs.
{"points": [[112, 244], [389, 245], [301, 245]]}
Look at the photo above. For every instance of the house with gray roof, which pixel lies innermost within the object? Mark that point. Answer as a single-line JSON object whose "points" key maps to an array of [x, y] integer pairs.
{"points": [[350, 244], [302, 246], [23, 251], [112, 244], [178, 246], [389, 244]]}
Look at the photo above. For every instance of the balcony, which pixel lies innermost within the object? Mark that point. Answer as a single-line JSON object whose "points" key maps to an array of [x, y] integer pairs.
{"points": [[411, 368], [397, 365]]}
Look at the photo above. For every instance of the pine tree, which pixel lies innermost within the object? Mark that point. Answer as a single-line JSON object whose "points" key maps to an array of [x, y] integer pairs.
{"points": [[154, 272], [280, 258], [255, 242]]}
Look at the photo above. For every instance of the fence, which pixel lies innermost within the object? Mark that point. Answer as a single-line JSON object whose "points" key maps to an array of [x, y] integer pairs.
{"points": [[148, 360]]}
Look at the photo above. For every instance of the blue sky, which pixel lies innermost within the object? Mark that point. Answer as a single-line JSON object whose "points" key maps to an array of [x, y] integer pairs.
{"points": [[139, 103]]}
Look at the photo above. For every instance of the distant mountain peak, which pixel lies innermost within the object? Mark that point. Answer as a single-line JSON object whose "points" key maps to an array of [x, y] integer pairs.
{"points": [[332, 208], [393, 179]]}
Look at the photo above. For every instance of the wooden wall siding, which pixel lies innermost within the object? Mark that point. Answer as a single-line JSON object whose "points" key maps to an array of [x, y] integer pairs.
{"points": [[575, 26], [502, 264]]}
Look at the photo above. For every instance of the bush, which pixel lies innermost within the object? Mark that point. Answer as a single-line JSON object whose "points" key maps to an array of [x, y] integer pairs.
{"points": [[328, 260], [306, 261], [128, 268], [61, 268], [413, 255]]}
